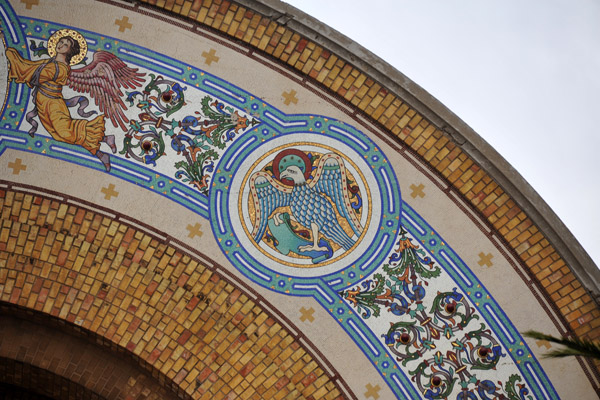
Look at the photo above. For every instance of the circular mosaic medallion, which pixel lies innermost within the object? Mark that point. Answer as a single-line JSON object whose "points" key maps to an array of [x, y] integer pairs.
{"points": [[304, 207]]}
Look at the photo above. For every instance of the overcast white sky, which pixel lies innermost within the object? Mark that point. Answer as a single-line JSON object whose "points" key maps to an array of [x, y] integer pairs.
{"points": [[525, 75]]}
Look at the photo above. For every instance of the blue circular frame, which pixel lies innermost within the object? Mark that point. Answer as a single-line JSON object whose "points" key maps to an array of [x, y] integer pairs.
{"points": [[242, 259]]}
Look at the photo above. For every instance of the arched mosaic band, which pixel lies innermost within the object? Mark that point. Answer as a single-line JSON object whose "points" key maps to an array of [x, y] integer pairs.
{"points": [[394, 285], [446, 146]]}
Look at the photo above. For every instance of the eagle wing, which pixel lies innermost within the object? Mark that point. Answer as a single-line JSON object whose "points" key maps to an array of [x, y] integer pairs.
{"points": [[267, 195], [330, 179], [102, 79]]}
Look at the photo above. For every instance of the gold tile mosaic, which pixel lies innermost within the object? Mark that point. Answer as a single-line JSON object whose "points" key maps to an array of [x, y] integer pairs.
{"points": [[176, 315]]}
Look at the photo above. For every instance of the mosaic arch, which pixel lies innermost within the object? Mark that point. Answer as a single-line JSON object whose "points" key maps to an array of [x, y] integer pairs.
{"points": [[364, 252]]}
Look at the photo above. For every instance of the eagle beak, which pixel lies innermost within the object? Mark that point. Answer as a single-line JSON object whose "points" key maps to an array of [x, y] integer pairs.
{"points": [[284, 174]]}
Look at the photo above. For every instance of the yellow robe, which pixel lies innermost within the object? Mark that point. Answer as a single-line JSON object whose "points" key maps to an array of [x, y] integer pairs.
{"points": [[53, 112]]}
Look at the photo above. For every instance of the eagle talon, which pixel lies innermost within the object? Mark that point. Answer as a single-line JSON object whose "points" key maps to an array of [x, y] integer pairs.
{"points": [[277, 219]]}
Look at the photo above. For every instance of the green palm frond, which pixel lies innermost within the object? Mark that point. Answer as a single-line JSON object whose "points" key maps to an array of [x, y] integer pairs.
{"points": [[573, 346]]}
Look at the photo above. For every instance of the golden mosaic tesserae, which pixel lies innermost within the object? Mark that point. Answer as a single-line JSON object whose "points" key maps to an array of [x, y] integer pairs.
{"points": [[208, 200]]}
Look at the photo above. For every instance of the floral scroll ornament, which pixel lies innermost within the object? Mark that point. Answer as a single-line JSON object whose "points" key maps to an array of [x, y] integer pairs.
{"points": [[198, 139], [417, 334]]}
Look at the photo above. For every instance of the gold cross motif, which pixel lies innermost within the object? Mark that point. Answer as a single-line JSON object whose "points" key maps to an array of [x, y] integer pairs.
{"points": [[290, 97], [194, 230], [372, 391], [30, 3], [417, 191], [485, 259], [210, 57], [17, 166], [123, 24], [544, 343], [307, 314], [109, 192]]}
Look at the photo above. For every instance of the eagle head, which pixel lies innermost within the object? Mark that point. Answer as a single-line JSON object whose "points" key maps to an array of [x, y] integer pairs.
{"points": [[293, 173]]}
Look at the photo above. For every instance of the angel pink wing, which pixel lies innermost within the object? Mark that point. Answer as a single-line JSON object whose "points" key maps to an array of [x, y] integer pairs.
{"points": [[267, 195], [102, 79], [330, 179]]}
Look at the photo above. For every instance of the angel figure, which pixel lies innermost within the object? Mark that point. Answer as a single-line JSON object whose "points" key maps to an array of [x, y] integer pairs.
{"points": [[101, 79]]}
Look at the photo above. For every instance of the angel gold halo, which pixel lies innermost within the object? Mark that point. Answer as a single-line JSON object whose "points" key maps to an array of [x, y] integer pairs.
{"points": [[56, 36]]}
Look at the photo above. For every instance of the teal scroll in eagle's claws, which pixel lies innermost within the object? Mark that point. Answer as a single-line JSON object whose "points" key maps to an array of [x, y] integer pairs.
{"points": [[289, 241]]}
